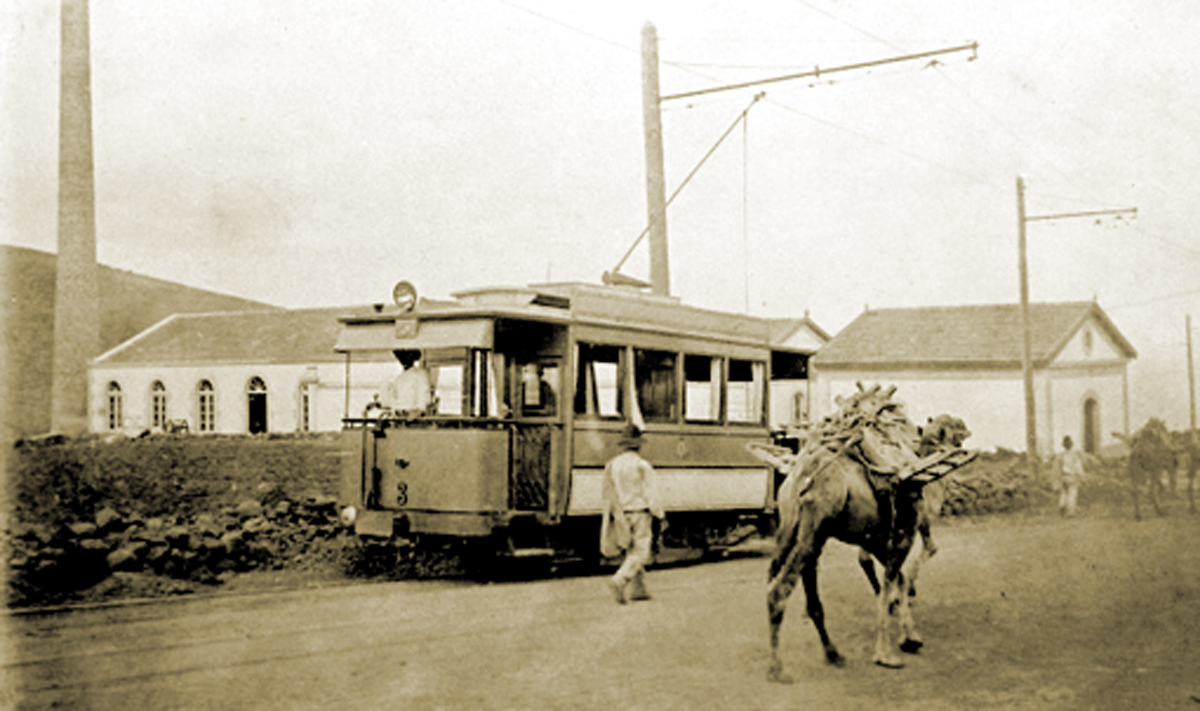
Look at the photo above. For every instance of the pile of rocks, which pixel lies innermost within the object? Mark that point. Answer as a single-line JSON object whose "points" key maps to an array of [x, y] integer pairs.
{"points": [[48, 562], [994, 483]]}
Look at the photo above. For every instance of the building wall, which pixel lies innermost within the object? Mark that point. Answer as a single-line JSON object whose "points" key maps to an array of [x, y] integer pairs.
{"points": [[325, 382], [1067, 390], [783, 402], [129, 303], [992, 402]]}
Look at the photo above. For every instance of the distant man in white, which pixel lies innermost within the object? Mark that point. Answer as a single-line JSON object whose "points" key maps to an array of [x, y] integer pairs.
{"points": [[1071, 475]]}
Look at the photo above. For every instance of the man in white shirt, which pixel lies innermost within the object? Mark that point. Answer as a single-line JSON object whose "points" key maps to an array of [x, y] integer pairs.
{"points": [[629, 497], [1071, 477], [409, 391]]}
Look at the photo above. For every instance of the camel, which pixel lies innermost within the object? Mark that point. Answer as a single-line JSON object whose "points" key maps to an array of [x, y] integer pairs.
{"points": [[1150, 455], [864, 488], [1187, 444], [937, 434]]}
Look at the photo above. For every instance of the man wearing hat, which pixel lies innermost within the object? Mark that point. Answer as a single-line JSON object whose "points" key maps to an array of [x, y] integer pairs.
{"points": [[630, 503]]}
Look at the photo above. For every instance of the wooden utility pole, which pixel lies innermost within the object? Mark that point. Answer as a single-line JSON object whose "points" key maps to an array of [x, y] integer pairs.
{"points": [[656, 184], [1031, 453], [1191, 376], [656, 181]]}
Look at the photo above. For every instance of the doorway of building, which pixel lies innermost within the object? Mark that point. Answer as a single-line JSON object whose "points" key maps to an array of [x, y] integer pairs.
{"points": [[256, 404], [1091, 425]]}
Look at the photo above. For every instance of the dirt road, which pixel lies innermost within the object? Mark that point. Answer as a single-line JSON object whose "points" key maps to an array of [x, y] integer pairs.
{"points": [[1017, 613]]}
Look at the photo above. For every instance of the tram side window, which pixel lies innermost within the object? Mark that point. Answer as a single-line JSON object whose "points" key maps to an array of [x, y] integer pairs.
{"points": [[744, 392], [598, 381], [447, 368], [701, 388], [656, 375]]}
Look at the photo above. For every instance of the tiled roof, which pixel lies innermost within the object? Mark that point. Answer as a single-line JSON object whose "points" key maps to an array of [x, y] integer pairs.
{"points": [[284, 336], [962, 335]]}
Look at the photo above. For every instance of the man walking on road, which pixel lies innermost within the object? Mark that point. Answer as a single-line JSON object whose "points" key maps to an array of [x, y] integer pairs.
{"points": [[1070, 477], [627, 526]]}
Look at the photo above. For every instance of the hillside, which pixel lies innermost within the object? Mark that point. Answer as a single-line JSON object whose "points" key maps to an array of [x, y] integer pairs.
{"points": [[129, 304]]}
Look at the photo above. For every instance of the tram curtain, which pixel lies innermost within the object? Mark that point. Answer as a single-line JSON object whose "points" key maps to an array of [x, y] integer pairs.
{"points": [[702, 388], [744, 396], [635, 410], [495, 365]]}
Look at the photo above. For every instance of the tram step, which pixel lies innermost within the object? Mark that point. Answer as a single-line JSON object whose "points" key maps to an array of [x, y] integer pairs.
{"points": [[532, 552]]}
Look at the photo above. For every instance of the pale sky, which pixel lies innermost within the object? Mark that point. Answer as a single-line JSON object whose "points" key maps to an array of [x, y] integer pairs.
{"points": [[314, 153]]}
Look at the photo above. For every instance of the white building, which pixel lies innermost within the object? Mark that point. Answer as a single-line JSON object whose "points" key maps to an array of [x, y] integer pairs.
{"points": [[233, 372], [966, 361], [277, 371]]}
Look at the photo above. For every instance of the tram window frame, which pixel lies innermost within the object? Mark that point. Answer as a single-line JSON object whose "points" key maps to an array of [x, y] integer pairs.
{"points": [[705, 372], [742, 374], [656, 381], [595, 399], [440, 362]]}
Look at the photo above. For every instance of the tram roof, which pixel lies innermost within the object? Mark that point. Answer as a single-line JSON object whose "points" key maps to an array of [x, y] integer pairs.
{"points": [[567, 303]]}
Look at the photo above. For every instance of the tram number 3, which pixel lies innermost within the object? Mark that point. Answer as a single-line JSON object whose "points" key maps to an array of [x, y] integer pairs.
{"points": [[401, 493]]}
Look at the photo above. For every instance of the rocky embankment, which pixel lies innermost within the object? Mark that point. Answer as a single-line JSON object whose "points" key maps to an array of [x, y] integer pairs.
{"points": [[52, 563], [97, 519]]}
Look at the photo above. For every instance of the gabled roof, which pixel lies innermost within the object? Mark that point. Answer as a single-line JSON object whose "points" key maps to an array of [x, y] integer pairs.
{"points": [[282, 336], [782, 329], [986, 335]]}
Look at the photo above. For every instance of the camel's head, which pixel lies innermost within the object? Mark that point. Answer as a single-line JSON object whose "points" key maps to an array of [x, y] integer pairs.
{"points": [[943, 431]]}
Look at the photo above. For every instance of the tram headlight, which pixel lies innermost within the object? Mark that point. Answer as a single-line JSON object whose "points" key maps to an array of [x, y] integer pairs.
{"points": [[404, 294], [349, 515]]}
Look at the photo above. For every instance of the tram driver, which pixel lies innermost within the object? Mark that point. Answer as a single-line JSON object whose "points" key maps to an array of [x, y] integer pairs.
{"points": [[538, 397], [410, 391]]}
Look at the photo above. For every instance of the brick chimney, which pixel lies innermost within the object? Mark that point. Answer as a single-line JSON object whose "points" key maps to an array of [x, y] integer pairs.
{"points": [[76, 297]]}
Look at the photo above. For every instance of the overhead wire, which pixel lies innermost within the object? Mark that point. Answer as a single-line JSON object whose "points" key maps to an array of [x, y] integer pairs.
{"points": [[741, 117], [690, 68]]}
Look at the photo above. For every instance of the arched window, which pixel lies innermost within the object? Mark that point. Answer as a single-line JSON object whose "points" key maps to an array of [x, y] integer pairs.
{"points": [[116, 407], [307, 390], [158, 404], [799, 408], [206, 401], [256, 405]]}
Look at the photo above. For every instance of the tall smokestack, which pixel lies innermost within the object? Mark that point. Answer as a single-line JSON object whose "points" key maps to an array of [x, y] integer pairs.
{"points": [[76, 308]]}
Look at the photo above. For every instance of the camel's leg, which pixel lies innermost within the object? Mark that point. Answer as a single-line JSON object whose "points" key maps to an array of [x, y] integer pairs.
{"points": [[1156, 489], [923, 528], [867, 563], [1192, 492], [816, 611], [782, 583], [886, 650], [910, 639], [1133, 488]]}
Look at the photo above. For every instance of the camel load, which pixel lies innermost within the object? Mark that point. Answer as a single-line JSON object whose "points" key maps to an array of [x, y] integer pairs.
{"points": [[872, 428], [858, 477]]}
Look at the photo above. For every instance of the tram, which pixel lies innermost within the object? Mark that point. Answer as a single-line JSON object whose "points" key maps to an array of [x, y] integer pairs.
{"points": [[520, 398]]}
